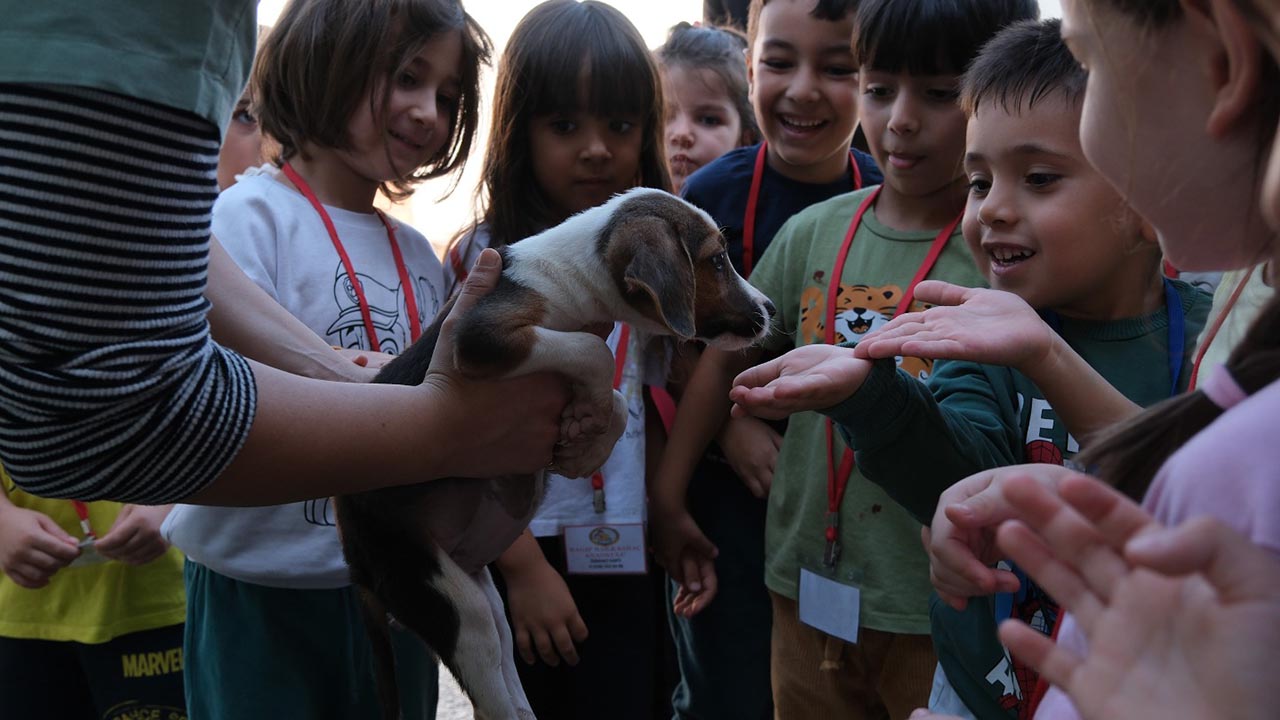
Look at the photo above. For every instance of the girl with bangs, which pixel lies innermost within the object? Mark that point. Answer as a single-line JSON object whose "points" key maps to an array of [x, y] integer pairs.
{"points": [[577, 118], [362, 98]]}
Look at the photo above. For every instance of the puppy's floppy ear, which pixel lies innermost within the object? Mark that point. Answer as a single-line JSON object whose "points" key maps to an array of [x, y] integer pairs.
{"points": [[654, 272]]}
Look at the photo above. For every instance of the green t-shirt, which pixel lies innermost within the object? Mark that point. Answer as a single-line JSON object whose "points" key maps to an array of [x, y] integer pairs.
{"points": [[191, 55], [917, 441], [880, 542]]}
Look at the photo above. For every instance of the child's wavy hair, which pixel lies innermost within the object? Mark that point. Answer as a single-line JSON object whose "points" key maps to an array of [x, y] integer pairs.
{"points": [[539, 74], [722, 51], [323, 57], [1130, 454], [930, 37]]}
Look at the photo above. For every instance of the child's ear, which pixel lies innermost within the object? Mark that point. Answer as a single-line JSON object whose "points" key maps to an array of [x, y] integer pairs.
{"points": [[1235, 62]]}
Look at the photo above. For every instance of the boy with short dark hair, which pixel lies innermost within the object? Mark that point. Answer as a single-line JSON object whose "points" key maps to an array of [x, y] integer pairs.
{"points": [[803, 94], [1043, 225], [833, 539]]}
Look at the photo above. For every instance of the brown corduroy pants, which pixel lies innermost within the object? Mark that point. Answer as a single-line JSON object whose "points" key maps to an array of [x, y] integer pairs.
{"points": [[816, 676]]}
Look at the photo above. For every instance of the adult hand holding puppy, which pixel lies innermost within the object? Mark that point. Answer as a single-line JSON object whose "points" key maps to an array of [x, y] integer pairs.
{"points": [[503, 427]]}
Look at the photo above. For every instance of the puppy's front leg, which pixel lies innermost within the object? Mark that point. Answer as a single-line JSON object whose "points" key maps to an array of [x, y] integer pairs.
{"points": [[597, 414]]}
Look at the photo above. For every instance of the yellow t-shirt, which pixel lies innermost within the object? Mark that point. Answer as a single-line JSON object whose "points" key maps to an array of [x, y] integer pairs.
{"points": [[90, 603]]}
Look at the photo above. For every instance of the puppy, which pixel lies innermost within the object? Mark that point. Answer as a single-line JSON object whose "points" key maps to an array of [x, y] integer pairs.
{"points": [[419, 553]]}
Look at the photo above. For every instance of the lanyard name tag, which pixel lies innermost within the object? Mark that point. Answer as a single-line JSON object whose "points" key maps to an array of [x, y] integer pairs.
{"points": [[614, 549], [829, 605]]}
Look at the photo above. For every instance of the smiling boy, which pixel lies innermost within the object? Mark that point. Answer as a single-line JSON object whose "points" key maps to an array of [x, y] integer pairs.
{"points": [[804, 98], [1043, 225]]}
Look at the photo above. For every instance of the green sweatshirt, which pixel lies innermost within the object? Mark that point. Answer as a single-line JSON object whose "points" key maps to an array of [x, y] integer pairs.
{"points": [[880, 541], [916, 441]]}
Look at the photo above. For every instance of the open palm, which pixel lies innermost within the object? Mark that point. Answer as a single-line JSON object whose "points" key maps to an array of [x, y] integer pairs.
{"points": [[1162, 643], [811, 377], [975, 324]]}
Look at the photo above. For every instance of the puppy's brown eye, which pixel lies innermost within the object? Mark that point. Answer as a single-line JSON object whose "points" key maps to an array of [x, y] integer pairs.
{"points": [[718, 261]]}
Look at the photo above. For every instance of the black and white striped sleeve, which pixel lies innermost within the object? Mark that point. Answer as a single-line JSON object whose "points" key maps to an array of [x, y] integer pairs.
{"points": [[110, 385]]}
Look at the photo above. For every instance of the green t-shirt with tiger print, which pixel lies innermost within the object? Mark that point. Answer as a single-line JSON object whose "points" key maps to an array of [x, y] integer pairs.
{"points": [[880, 542]]}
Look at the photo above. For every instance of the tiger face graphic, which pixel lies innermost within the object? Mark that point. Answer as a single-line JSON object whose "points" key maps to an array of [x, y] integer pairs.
{"points": [[859, 310]]}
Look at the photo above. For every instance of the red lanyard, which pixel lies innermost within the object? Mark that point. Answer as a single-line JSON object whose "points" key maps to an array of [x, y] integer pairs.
{"points": [[837, 482], [411, 304], [620, 363], [460, 272], [753, 199], [82, 512], [1208, 336]]}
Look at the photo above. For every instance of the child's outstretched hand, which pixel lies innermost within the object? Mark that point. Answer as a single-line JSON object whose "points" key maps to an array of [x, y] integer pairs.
{"points": [[543, 615], [135, 537], [32, 546], [807, 378], [974, 324], [1181, 622]]}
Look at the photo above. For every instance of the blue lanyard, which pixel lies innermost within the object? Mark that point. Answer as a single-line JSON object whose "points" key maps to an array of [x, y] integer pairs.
{"points": [[1177, 332]]}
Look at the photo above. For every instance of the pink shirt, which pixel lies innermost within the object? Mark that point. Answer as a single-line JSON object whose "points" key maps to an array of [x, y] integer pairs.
{"points": [[1231, 471]]}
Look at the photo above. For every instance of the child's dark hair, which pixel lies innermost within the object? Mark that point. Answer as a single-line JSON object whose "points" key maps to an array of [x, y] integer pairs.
{"points": [[1022, 64], [930, 37], [720, 50], [1129, 455], [830, 10], [325, 56], [542, 73]]}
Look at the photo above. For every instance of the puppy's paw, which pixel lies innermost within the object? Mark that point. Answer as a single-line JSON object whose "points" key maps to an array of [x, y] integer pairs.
{"points": [[586, 454], [584, 420]]}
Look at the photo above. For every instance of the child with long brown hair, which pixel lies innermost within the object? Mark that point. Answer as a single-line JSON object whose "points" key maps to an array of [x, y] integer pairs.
{"points": [[362, 98], [577, 118]]}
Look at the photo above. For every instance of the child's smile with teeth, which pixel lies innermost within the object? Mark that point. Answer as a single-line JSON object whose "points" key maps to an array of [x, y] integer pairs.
{"points": [[1008, 254], [796, 123]]}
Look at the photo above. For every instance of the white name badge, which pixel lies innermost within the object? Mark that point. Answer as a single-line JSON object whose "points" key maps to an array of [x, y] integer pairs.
{"points": [[829, 605], [616, 549]]}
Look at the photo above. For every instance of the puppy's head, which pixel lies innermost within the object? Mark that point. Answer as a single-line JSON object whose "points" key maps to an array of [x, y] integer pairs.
{"points": [[668, 260]]}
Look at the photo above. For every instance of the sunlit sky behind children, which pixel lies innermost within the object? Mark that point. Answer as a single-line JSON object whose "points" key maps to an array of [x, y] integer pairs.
{"points": [[440, 219]]}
